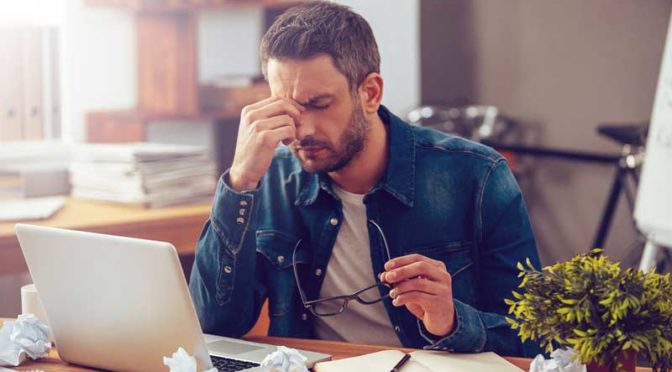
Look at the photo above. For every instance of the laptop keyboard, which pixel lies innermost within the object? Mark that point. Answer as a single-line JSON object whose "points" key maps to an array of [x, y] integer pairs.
{"points": [[231, 365]]}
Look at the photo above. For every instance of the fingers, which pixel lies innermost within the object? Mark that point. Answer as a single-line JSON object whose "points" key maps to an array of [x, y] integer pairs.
{"points": [[426, 268], [420, 299], [407, 259], [271, 137], [272, 123], [259, 104], [419, 285], [276, 123], [271, 107], [419, 292]]}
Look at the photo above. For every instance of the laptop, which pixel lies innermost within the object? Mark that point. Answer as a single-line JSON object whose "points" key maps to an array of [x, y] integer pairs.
{"points": [[119, 303]]}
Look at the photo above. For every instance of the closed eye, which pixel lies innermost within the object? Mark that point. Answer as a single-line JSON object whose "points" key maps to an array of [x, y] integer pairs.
{"points": [[314, 106], [320, 102]]}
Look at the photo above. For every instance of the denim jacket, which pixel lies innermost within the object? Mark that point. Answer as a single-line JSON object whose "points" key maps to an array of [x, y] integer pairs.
{"points": [[440, 196]]}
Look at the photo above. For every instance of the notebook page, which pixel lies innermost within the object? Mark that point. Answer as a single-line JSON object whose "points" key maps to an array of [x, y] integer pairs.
{"points": [[381, 361], [421, 361], [439, 361]]}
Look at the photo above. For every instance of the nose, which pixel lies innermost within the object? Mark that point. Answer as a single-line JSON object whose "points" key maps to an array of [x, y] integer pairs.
{"points": [[305, 127]]}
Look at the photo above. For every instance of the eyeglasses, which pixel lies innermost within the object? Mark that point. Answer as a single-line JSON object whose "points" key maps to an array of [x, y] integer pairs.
{"points": [[330, 306]]}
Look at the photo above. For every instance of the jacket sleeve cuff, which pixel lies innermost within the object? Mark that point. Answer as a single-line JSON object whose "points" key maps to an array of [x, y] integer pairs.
{"points": [[232, 213], [467, 337]]}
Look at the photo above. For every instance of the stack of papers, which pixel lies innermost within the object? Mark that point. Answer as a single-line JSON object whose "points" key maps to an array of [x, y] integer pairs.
{"points": [[34, 169], [149, 174]]}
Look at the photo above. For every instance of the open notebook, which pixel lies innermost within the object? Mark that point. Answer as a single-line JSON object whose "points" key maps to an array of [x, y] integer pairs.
{"points": [[421, 361]]}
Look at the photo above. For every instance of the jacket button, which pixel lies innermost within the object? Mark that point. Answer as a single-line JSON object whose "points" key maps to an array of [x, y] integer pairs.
{"points": [[227, 269], [241, 211], [397, 329], [318, 272], [281, 259], [304, 316], [243, 203], [240, 220], [333, 221]]}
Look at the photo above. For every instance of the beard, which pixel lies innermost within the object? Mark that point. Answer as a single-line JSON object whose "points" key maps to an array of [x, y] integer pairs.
{"points": [[350, 144]]}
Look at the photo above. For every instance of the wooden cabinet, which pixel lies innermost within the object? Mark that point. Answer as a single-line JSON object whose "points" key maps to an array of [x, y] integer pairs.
{"points": [[167, 63], [28, 83], [167, 46]]}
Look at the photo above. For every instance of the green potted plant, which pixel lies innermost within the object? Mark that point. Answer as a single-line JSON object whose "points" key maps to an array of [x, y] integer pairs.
{"points": [[607, 315]]}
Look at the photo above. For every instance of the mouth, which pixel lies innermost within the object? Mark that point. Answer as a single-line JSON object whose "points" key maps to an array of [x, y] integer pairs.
{"points": [[311, 151]]}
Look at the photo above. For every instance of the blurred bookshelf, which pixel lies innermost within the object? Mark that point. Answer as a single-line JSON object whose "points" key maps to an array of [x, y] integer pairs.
{"points": [[168, 86], [189, 5], [130, 125]]}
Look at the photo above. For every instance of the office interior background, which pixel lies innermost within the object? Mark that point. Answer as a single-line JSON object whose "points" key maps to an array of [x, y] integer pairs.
{"points": [[556, 69]]}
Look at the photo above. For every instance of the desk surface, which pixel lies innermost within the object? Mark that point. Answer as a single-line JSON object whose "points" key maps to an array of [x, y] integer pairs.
{"points": [[177, 225], [339, 350]]}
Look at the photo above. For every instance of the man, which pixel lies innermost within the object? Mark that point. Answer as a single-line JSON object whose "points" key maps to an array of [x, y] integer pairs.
{"points": [[363, 228]]}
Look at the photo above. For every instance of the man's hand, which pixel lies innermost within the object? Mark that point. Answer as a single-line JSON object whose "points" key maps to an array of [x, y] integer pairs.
{"points": [[263, 125], [424, 286]]}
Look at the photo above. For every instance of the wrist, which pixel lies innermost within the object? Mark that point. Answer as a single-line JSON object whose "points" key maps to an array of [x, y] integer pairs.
{"points": [[239, 183], [448, 326]]}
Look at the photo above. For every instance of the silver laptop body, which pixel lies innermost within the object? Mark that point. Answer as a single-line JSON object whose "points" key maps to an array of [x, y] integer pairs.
{"points": [[120, 303]]}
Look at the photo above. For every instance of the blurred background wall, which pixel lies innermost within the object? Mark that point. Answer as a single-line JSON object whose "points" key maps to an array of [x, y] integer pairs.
{"points": [[561, 68]]}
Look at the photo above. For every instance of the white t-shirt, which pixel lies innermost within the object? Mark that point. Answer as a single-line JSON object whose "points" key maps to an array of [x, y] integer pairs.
{"points": [[348, 271]]}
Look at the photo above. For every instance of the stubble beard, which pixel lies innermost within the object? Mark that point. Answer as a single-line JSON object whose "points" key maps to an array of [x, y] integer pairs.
{"points": [[350, 145]]}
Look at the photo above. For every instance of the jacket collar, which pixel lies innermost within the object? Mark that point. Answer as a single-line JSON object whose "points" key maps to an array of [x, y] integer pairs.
{"points": [[399, 177]]}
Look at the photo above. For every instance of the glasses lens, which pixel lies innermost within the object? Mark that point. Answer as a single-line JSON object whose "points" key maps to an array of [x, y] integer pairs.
{"points": [[330, 307], [373, 294]]}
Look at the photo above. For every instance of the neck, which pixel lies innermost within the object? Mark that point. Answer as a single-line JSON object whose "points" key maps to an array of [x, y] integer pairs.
{"points": [[366, 168]]}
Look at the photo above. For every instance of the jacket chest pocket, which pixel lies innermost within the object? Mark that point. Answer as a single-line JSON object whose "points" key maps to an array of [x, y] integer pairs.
{"points": [[457, 256], [275, 252]]}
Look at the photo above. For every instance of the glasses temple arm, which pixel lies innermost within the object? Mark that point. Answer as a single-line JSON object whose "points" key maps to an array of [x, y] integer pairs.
{"points": [[296, 274], [382, 235]]}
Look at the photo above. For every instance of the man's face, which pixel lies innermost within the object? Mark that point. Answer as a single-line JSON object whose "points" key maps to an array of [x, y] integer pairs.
{"points": [[332, 131]]}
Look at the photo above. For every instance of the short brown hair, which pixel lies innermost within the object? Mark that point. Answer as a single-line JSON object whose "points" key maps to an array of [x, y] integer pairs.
{"points": [[318, 27]]}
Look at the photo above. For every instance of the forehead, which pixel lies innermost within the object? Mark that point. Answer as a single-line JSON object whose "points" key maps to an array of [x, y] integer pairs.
{"points": [[302, 79]]}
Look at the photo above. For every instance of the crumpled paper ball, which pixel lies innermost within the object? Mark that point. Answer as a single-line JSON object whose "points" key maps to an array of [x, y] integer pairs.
{"points": [[27, 336], [562, 360], [181, 361], [285, 359]]}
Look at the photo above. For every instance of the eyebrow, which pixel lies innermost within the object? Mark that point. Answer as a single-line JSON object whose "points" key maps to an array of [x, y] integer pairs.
{"points": [[314, 99]]}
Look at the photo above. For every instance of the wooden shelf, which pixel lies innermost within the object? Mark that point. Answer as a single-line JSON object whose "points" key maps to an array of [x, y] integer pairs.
{"points": [[168, 6], [131, 125], [134, 114]]}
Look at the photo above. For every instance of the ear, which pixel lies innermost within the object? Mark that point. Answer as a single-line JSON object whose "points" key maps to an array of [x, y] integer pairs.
{"points": [[371, 92]]}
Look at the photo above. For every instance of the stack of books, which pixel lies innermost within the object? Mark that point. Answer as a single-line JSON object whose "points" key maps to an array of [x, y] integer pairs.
{"points": [[148, 174]]}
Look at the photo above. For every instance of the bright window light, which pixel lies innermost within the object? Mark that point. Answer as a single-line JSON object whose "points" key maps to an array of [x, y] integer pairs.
{"points": [[31, 12]]}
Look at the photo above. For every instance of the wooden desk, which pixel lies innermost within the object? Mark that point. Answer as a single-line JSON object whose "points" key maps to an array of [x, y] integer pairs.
{"points": [[339, 350], [180, 226]]}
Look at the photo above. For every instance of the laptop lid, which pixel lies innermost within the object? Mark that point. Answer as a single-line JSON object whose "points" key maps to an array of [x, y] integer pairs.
{"points": [[112, 302]]}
